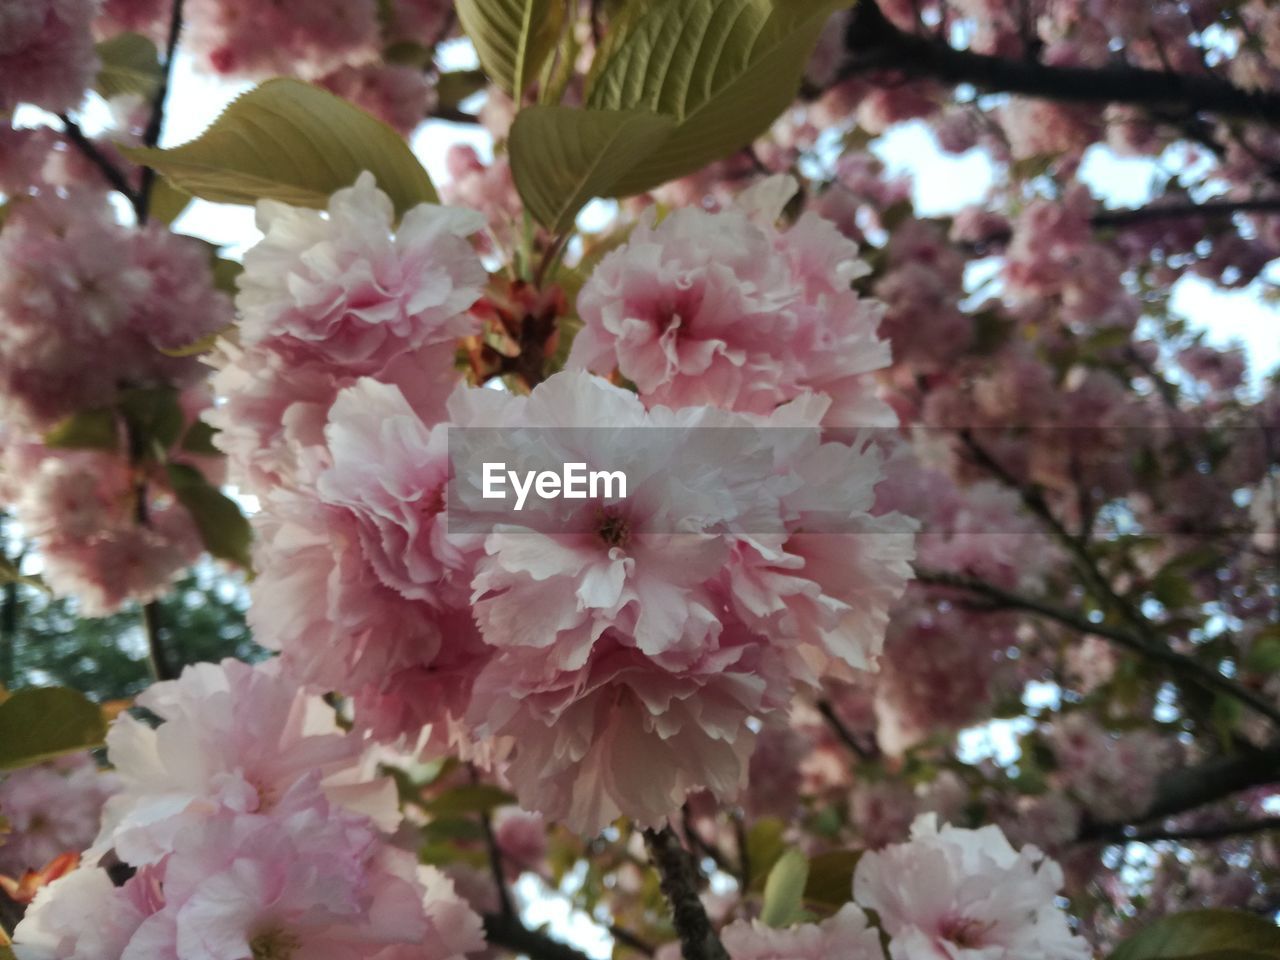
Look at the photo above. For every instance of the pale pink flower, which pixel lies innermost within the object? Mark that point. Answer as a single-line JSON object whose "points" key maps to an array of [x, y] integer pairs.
{"points": [[148, 17], [245, 38], [50, 809], [953, 894], [578, 733], [725, 309], [46, 53], [327, 298], [1040, 128], [368, 588], [522, 838], [87, 305], [234, 737], [84, 916], [1112, 775], [396, 94], [845, 935], [347, 289], [487, 187], [80, 507], [637, 625]]}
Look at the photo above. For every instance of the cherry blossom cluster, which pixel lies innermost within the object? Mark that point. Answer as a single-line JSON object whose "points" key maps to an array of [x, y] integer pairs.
{"points": [[46, 53], [89, 306], [50, 809], [251, 831], [945, 894], [643, 630]]}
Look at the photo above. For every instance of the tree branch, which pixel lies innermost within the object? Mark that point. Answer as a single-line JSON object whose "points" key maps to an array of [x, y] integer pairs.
{"points": [[1187, 788], [698, 939], [506, 931], [1190, 669], [113, 174], [151, 136], [845, 735], [495, 857], [876, 44], [1220, 831], [1210, 208]]}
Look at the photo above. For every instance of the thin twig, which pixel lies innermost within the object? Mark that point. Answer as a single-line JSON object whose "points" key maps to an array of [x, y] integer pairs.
{"points": [[1219, 831], [844, 733], [113, 174], [151, 136], [508, 932], [495, 858]]}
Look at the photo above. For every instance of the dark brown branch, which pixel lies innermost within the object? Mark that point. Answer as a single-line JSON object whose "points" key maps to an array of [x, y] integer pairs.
{"points": [[1184, 666], [698, 939], [507, 932], [873, 43], [1219, 831], [1173, 211], [151, 136], [495, 857], [110, 172], [628, 939], [845, 735], [1186, 788], [453, 115]]}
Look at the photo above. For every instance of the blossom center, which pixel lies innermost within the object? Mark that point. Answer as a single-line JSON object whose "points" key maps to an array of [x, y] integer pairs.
{"points": [[274, 945], [964, 931], [614, 529]]}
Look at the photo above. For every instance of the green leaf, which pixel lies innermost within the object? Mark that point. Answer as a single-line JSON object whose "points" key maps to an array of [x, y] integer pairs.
{"points": [[225, 273], [455, 86], [198, 347], [784, 890], [45, 722], [223, 528], [512, 37], [472, 798], [723, 69], [1264, 655], [562, 157], [130, 64], [167, 201], [830, 883], [199, 440], [289, 141], [764, 846], [86, 430], [155, 417], [1204, 934]]}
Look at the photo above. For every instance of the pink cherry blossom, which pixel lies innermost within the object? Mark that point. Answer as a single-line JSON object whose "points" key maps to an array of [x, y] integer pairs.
{"points": [[954, 894], [370, 541], [85, 916], [1113, 776], [46, 53], [328, 297], [725, 309], [50, 809], [115, 296], [234, 737], [347, 290], [845, 935], [80, 507], [244, 38], [398, 95]]}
